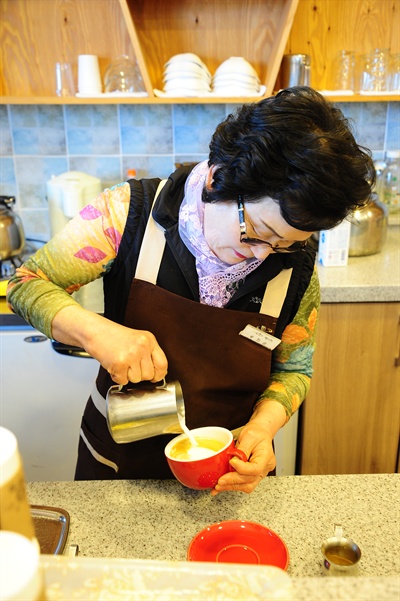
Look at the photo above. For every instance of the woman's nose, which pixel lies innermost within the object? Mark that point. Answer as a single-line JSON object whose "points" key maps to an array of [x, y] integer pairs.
{"points": [[261, 252]]}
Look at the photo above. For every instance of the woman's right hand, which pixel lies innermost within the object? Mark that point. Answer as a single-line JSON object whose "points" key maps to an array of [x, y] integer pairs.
{"points": [[133, 356], [128, 355]]}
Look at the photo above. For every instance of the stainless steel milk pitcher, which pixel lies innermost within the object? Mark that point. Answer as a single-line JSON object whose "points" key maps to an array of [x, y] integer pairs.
{"points": [[138, 411], [295, 70]]}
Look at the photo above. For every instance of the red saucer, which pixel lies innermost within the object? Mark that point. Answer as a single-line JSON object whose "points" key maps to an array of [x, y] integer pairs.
{"points": [[238, 541]]}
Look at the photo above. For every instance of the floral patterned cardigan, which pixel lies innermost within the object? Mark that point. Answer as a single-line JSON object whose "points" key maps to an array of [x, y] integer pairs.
{"points": [[85, 249]]}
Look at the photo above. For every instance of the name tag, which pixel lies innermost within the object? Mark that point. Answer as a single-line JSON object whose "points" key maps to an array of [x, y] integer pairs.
{"points": [[260, 337]]}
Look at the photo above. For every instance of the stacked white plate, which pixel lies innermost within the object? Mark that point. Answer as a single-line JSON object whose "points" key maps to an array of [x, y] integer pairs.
{"points": [[236, 77], [186, 75]]}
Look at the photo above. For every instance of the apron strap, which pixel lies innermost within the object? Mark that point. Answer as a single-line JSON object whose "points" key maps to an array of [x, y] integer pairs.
{"points": [[152, 250], [275, 293]]}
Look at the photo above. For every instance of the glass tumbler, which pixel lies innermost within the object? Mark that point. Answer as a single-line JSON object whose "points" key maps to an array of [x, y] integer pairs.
{"points": [[343, 70], [65, 85], [394, 72], [374, 71]]}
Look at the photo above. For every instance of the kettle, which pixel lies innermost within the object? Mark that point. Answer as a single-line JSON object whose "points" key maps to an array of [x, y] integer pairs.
{"points": [[12, 237], [67, 194], [368, 228]]}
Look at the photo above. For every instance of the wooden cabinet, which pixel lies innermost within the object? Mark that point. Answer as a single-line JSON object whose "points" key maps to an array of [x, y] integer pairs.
{"points": [[322, 28], [350, 421], [34, 34]]}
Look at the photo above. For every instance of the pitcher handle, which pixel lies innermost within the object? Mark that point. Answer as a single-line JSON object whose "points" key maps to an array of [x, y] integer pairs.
{"points": [[163, 385]]}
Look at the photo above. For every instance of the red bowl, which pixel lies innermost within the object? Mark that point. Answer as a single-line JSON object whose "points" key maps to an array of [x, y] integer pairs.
{"points": [[239, 541]]}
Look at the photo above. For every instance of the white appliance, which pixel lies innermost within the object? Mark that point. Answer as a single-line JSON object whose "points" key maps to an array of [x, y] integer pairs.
{"points": [[67, 194], [42, 397], [286, 447]]}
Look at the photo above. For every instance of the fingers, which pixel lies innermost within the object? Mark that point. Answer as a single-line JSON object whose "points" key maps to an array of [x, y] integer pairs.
{"points": [[247, 475], [238, 482], [118, 376], [141, 360], [160, 364], [145, 371]]}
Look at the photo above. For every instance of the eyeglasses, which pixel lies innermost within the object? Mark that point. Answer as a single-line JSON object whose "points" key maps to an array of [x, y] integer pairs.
{"points": [[292, 248]]}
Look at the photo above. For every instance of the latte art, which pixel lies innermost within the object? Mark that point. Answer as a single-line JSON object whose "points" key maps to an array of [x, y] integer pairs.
{"points": [[185, 451]]}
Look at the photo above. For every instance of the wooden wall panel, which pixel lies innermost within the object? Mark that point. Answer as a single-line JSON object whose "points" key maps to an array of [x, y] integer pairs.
{"points": [[35, 34], [214, 30], [323, 27]]}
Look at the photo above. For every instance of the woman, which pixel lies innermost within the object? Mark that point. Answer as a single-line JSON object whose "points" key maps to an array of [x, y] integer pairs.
{"points": [[225, 248]]}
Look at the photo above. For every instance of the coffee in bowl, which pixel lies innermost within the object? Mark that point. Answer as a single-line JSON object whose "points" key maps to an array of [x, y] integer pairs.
{"points": [[184, 450], [200, 466]]}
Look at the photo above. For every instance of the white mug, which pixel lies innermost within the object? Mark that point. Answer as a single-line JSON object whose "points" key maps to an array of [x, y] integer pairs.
{"points": [[89, 80]]}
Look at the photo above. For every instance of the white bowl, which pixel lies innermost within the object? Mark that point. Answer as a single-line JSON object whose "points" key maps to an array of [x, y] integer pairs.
{"points": [[184, 92], [185, 75], [236, 64], [187, 69], [188, 84], [236, 77], [188, 57], [235, 91]]}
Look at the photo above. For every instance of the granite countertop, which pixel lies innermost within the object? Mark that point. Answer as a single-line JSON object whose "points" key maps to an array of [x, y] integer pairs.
{"points": [[156, 520], [375, 278]]}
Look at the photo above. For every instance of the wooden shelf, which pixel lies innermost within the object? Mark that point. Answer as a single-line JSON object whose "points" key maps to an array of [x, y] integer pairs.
{"points": [[255, 29], [128, 100], [185, 100], [322, 28], [35, 34]]}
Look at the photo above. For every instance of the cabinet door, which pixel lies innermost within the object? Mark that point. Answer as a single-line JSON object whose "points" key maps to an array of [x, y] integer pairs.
{"points": [[350, 420]]}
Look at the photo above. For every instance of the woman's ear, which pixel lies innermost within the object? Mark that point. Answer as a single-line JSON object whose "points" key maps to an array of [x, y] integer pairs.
{"points": [[210, 176]]}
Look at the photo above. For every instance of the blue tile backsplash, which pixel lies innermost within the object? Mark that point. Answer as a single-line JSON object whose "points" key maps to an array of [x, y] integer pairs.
{"points": [[38, 141]]}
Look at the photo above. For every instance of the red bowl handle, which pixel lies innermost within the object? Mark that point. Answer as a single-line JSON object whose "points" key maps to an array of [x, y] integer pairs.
{"points": [[238, 453]]}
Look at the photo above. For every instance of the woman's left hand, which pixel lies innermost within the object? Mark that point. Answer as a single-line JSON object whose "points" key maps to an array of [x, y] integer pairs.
{"points": [[256, 444], [255, 440]]}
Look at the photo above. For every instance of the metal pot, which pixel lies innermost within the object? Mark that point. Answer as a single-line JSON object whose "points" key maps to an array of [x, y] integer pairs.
{"points": [[368, 229], [12, 237]]}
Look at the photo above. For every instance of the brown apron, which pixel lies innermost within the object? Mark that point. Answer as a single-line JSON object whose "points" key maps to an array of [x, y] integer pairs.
{"points": [[221, 373]]}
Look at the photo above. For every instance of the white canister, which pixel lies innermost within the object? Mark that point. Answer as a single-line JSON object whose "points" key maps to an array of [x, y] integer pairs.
{"points": [[14, 506], [21, 575], [89, 80]]}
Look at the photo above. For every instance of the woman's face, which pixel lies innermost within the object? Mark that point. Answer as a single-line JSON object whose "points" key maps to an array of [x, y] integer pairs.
{"points": [[263, 221]]}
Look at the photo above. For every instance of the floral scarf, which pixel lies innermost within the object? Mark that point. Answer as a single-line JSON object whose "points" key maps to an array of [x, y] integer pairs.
{"points": [[218, 281]]}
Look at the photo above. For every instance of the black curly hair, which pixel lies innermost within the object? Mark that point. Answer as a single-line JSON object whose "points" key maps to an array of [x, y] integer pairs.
{"points": [[298, 149]]}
